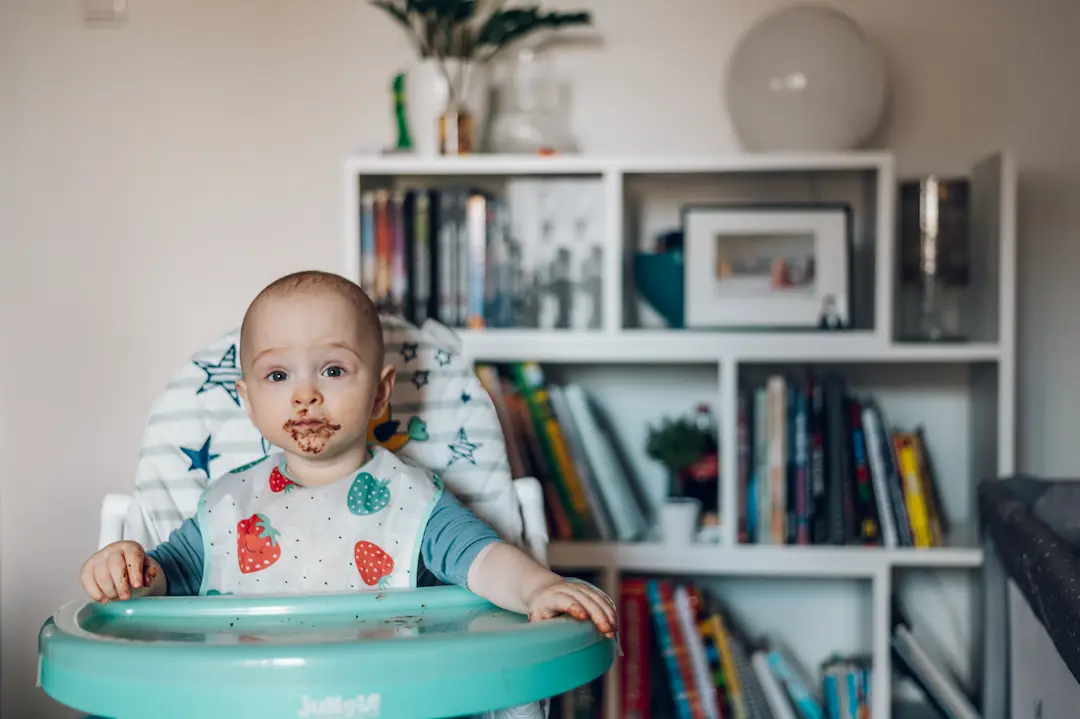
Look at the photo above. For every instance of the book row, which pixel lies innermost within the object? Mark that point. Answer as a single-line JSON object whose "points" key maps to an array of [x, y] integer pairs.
{"points": [[529, 256], [557, 434], [686, 655], [820, 465]]}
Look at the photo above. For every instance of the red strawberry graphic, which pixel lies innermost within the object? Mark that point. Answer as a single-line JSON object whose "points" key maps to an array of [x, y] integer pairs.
{"points": [[280, 483], [373, 563], [257, 545]]}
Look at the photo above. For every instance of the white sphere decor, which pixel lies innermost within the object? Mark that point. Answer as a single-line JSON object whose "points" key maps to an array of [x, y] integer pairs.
{"points": [[806, 78]]}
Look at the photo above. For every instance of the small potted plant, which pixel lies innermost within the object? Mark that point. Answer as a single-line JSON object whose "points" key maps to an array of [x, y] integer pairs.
{"points": [[682, 445]]}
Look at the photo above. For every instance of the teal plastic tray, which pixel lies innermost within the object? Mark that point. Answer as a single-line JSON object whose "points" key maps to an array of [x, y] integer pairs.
{"points": [[432, 652]]}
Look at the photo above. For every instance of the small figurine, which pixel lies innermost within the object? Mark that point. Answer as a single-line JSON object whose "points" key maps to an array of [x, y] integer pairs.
{"points": [[404, 139], [830, 316]]}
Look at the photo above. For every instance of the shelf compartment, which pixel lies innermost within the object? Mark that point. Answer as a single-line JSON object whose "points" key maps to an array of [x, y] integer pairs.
{"points": [[984, 310], [654, 199], [485, 250], [939, 398]]}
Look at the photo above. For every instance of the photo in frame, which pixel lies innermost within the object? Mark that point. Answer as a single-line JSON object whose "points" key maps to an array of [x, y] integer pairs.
{"points": [[767, 266]]}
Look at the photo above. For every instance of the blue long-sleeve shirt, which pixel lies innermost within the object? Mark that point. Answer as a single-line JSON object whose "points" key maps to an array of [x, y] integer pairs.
{"points": [[452, 538]]}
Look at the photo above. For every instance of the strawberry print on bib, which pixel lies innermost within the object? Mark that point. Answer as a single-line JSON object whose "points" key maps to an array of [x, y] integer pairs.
{"points": [[264, 533]]}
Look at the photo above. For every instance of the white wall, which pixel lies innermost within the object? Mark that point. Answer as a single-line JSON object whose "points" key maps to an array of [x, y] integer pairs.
{"points": [[153, 178]]}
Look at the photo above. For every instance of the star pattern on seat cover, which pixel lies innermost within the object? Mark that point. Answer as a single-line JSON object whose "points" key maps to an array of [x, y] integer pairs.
{"points": [[224, 373]]}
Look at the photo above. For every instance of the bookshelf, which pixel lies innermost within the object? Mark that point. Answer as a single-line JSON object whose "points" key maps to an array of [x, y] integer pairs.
{"points": [[822, 598]]}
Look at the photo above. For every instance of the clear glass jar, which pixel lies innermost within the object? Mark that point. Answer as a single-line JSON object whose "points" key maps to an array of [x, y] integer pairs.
{"points": [[531, 113]]}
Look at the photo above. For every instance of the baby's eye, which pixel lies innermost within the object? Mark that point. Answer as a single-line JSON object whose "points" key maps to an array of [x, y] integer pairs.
{"points": [[277, 376], [333, 371]]}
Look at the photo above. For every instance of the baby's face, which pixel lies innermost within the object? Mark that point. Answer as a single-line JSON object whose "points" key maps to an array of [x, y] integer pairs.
{"points": [[310, 379]]}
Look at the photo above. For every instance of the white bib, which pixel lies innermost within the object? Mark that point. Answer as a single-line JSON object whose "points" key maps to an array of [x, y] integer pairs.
{"points": [[263, 533]]}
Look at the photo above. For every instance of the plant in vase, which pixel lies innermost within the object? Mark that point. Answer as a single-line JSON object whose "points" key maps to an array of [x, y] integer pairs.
{"points": [[458, 37], [686, 446]]}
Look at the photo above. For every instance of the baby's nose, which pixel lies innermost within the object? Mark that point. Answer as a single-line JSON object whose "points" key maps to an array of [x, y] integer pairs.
{"points": [[307, 399]]}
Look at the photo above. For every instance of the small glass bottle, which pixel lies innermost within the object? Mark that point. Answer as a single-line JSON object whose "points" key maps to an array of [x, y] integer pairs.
{"points": [[456, 130]]}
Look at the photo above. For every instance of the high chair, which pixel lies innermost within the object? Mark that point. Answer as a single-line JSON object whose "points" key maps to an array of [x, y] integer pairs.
{"points": [[440, 417]]}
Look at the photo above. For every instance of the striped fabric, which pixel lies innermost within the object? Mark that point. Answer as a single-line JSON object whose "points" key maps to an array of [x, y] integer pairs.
{"points": [[441, 419]]}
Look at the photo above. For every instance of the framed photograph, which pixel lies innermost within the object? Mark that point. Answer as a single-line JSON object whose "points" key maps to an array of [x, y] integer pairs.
{"points": [[767, 266]]}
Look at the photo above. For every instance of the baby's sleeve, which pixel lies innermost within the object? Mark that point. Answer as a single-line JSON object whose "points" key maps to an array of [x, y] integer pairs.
{"points": [[181, 558], [452, 539]]}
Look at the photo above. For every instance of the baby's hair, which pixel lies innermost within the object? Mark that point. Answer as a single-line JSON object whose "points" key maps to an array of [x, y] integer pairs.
{"points": [[314, 281]]}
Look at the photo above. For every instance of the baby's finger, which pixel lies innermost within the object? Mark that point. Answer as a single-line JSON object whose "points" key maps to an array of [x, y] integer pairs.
{"points": [[90, 585], [608, 606], [103, 577], [118, 571], [544, 610], [566, 602], [597, 611], [135, 559]]}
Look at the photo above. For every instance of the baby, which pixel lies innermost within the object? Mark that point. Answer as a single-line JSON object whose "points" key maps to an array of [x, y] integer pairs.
{"points": [[328, 513]]}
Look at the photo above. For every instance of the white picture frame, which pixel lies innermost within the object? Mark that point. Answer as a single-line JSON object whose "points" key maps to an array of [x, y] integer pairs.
{"points": [[810, 243]]}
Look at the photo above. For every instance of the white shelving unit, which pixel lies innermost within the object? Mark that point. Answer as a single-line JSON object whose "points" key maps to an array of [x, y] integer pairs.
{"points": [[818, 599]]}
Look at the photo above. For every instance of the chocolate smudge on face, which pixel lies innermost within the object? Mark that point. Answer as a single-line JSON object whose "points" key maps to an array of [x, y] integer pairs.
{"points": [[311, 435]]}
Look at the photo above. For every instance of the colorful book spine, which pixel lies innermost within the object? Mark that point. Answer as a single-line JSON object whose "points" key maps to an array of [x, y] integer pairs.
{"points": [[802, 469], [716, 626], [777, 459], [761, 467], [686, 625], [384, 249], [869, 530], [474, 260], [745, 490], [634, 665], [673, 651], [367, 242], [914, 497], [398, 279], [420, 285], [797, 691], [530, 379]]}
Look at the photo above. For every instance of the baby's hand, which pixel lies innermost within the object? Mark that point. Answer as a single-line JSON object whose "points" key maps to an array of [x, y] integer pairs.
{"points": [[112, 572], [581, 601]]}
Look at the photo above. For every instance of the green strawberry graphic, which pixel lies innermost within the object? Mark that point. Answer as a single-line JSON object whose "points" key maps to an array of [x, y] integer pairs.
{"points": [[368, 495]]}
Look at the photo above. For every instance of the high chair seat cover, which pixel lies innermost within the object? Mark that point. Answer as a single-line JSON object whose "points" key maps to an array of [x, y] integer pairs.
{"points": [[440, 418]]}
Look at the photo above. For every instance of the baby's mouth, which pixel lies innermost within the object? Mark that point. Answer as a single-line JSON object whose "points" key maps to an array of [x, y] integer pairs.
{"points": [[310, 433], [310, 424]]}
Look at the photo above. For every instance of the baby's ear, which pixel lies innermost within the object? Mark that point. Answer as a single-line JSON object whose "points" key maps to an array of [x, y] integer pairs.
{"points": [[241, 390], [383, 390]]}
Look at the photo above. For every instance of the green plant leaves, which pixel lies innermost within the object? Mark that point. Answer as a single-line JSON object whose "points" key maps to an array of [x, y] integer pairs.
{"points": [[451, 28], [676, 443], [394, 10], [507, 26]]}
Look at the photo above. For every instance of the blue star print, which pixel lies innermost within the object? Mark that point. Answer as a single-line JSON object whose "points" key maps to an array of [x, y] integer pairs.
{"points": [[201, 457], [442, 357], [465, 397], [463, 448], [224, 373], [408, 351], [420, 378]]}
